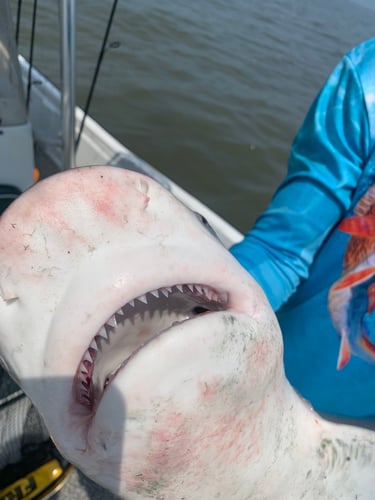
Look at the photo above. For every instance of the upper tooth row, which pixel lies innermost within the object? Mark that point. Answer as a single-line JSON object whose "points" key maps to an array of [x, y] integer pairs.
{"points": [[166, 291], [208, 293]]}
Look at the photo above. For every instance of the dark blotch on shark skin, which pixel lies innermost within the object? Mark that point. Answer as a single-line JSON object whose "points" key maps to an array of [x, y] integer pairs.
{"points": [[229, 320], [236, 334], [233, 326], [337, 454]]}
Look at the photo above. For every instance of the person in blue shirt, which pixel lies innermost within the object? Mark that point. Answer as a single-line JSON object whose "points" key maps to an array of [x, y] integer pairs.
{"points": [[313, 249]]}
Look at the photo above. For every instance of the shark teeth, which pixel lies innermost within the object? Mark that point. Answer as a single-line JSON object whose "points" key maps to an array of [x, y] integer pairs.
{"points": [[112, 321], [142, 298], [103, 332], [153, 312]]}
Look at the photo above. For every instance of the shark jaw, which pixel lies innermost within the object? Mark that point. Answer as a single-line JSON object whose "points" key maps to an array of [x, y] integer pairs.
{"points": [[134, 325]]}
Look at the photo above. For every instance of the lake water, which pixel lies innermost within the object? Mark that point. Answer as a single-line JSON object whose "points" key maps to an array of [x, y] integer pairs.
{"points": [[211, 92]]}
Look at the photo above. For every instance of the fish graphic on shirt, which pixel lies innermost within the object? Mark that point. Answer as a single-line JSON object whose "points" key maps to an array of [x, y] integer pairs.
{"points": [[352, 297]]}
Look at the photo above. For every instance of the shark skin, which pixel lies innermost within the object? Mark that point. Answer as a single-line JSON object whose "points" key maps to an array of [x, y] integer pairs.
{"points": [[180, 394]]}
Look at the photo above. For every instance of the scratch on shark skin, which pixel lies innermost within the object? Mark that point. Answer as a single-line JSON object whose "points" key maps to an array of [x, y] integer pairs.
{"points": [[49, 271], [46, 246]]}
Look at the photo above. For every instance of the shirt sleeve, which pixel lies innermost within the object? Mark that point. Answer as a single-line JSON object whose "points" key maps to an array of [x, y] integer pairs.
{"points": [[325, 163]]}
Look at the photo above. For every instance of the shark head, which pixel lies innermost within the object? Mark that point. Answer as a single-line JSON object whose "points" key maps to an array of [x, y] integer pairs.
{"points": [[153, 357]]}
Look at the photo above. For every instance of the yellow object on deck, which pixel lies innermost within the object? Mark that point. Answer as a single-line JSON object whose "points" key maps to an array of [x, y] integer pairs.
{"points": [[38, 484]]}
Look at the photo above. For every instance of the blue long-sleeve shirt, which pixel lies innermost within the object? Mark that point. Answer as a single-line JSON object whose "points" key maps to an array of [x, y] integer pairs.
{"points": [[294, 250]]}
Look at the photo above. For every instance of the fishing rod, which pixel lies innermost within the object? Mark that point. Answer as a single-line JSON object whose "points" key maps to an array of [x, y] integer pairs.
{"points": [[18, 21], [31, 55], [96, 72]]}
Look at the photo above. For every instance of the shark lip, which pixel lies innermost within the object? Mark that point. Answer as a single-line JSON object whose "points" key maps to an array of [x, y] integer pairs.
{"points": [[134, 325]]}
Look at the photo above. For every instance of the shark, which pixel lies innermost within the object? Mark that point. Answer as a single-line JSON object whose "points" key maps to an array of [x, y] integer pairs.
{"points": [[153, 357]]}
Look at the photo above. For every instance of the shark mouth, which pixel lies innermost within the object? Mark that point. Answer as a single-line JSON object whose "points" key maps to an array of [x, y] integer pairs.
{"points": [[133, 326]]}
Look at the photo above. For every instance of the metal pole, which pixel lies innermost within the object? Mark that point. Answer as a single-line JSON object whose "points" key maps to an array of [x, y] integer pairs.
{"points": [[67, 31]]}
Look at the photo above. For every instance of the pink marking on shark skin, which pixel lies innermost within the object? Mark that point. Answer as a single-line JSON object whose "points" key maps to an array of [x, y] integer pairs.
{"points": [[191, 441], [47, 222], [178, 444], [20, 231], [208, 391], [53, 208], [192, 430]]}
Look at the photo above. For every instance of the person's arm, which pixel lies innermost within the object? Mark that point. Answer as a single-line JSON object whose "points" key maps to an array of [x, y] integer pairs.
{"points": [[325, 163]]}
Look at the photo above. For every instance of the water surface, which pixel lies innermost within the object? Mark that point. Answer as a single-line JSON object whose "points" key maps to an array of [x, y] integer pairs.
{"points": [[210, 92]]}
